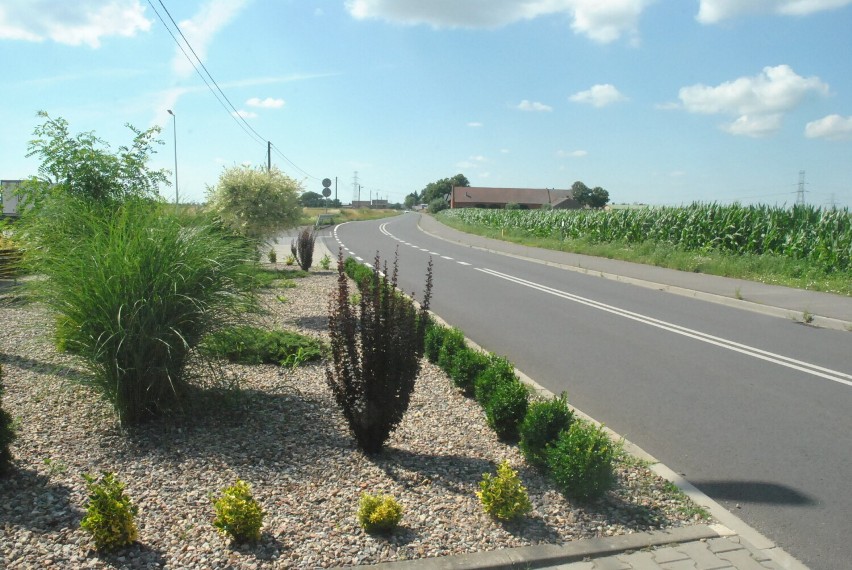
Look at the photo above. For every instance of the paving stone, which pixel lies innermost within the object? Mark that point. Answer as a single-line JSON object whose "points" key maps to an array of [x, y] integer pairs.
{"points": [[686, 564], [704, 559], [742, 560], [641, 560], [610, 563], [668, 554], [585, 565], [717, 545]]}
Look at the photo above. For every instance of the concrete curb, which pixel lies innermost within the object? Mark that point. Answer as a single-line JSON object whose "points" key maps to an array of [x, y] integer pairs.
{"points": [[546, 555]]}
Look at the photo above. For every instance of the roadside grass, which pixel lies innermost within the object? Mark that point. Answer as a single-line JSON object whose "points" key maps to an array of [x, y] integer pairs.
{"points": [[769, 269], [309, 215]]}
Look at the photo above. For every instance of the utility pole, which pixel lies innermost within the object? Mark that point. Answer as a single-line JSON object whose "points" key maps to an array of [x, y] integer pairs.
{"points": [[356, 188], [268, 157], [800, 195], [335, 189]]}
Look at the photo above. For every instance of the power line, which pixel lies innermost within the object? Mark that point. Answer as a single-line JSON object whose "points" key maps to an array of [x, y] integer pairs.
{"points": [[235, 115]]}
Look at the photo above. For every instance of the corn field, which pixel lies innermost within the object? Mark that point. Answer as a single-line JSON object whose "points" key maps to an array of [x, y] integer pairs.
{"points": [[820, 236]]}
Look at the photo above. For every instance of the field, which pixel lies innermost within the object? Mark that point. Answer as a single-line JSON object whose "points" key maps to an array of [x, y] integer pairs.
{"points": [[803, 246], [309, 215]]}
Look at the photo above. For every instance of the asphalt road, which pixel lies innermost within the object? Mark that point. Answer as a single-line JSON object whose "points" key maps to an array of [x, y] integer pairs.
{"points": [[753, 410]]}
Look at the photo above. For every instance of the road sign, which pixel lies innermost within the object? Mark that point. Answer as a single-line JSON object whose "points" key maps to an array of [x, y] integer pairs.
{"points": [[326, 182], [326, 192]]}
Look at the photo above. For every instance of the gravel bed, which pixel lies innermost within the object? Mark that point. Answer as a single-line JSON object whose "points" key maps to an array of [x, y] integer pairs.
{"points": [[283, 434]]}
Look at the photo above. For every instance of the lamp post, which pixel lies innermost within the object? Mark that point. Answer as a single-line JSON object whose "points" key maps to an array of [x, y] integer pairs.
{"points": [[174, 129]]}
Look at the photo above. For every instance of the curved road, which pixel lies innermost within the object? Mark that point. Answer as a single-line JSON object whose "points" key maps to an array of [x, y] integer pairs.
{"points": [[753, 410]]}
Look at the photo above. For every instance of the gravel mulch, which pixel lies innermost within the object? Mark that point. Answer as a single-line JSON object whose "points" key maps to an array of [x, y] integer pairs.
{"points": [[283, 434]]}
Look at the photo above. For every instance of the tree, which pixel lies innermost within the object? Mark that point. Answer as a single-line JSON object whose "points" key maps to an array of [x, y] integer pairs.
{"points": [[82, 166], [595, 197], [256, 203], [312, 200], [412, 200], [442, 188]]}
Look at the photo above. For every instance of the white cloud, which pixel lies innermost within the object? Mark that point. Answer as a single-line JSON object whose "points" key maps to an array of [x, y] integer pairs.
{"points": [[754, 125], [245, 114], [601, 21], [599, 96], [201, 29], [760, 101], [571, 153], [474, 124], [72, 23], [472, 162], [714, 11], [832, 127], [268, 103], [533, 106]]}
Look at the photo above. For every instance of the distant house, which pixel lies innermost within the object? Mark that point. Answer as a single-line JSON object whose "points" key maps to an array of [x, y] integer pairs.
{"points": [[531, 198], [10, 197]]}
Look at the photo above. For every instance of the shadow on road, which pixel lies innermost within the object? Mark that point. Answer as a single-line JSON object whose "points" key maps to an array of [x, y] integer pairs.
{"points": [[754, 492]]}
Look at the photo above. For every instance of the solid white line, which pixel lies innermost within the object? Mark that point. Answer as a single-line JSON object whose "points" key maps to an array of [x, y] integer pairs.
{"points": [[813, 369], [463, 263]]}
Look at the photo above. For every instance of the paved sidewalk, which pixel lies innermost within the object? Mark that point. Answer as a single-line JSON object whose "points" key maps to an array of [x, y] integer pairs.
{"points": [[826, 309]]}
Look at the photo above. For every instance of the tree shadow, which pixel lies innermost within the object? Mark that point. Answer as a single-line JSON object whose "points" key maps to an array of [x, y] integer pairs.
{"points": [[755, 492], [317, 323], [29, 500], [46, 367]]}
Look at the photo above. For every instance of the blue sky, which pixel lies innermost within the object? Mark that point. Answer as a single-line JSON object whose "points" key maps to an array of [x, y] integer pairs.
{"points": [[658, 101]]}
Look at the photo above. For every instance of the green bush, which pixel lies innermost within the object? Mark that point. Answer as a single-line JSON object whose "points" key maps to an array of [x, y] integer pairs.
{"points": [[544, 422], [379, 513], [453, 343], [325, 262], [433, 341], [135, 286], [238, 514], [503, 497], [498, 371], [7, 434], [506, 408], [467, 365], [580, 461], [358, 272], [251, 345], [109, 513], [273, 257]]}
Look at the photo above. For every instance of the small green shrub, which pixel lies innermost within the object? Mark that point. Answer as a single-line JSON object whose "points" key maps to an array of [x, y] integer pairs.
{"points": [[503, 497], [290, 260], [7, 434], [545, 420], [251, 345], [325, 262], [466, 366], [453, 343], [580, 461], [506, 408], [273, 257], [433, 341], [379, 513], [360, 273], [109, 513], [238, 514], [498, 371]]}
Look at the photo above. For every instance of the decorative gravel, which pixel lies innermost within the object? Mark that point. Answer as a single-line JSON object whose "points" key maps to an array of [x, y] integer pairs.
{"points": [[283, 434]]}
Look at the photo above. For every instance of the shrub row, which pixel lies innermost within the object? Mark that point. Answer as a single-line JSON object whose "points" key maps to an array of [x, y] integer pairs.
{"points": [[578, 456]]}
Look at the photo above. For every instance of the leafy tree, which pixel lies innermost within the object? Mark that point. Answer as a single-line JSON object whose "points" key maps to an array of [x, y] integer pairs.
{"points": [[82, 166], [437, 205], [442, 188], [599, 197], [312, 200], [256, 203], [412, 200], [595, 197]]}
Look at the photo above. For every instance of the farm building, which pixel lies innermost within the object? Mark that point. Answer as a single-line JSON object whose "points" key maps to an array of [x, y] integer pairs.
{"points": [[531, 198]]}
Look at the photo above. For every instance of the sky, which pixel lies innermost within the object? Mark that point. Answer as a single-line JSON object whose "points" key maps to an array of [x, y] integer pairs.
{"points": [[657, 101]]}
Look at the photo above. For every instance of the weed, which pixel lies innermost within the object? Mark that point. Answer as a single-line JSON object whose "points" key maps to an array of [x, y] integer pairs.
{"points": [[325, 262]]}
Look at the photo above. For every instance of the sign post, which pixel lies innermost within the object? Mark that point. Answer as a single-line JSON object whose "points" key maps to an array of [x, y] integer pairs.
{"points": [[326, 191]]}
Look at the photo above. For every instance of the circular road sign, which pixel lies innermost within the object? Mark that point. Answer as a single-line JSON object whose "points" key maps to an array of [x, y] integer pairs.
{"points": [[326, 182], [326, 192]]}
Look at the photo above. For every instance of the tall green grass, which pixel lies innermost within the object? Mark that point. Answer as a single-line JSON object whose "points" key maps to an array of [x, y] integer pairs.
{"points": [[135, 286]]}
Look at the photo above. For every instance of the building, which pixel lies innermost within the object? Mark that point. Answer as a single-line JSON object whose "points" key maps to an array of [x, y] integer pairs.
{"points": [[529, 198], [10, 197]]}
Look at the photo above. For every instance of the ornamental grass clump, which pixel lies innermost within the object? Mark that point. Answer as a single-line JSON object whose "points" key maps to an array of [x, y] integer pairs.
{"points": [[544, 422], [581, 460], [135, 286], [504, 497], [109, 513], [238, 514], [376, 351], [302, 248], [7, 434], [379, 513]]}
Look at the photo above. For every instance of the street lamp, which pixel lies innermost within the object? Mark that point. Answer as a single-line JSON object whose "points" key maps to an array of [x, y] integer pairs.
{"points": [[174, 128]]}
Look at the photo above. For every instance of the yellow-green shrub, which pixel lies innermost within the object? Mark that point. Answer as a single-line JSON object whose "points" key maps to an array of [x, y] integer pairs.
{"points": [[109, 513], [238, 514], [379, 513], [503, 497]]}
